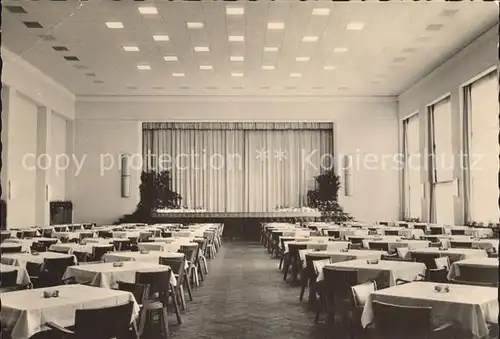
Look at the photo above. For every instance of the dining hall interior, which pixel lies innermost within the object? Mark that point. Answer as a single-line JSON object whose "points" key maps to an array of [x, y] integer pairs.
{"points": [[249, 169]]}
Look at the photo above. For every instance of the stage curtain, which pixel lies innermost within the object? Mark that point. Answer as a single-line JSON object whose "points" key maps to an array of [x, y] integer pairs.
{"points": [[240, 167]]}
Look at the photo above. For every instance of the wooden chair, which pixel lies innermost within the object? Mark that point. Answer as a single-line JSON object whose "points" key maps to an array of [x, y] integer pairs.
{"points": [[140, 293], [460, 244], [100, 323], [396, 322], [457, 232], [99, 251], [359, 296], [337, 289], [177, 291], [52, 272], [379, 246], [426, 258], [8, 279], [156, 302]]}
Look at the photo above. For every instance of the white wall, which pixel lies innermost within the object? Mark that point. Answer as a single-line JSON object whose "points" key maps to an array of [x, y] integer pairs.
{"points": [[475, 59], [57, 178], [31, 100], [113, 126]]}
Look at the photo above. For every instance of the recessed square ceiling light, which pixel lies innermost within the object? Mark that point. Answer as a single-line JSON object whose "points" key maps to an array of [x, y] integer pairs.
{"points": [[161, 37], [201, 49], [60, 48], [329, 68], [131, 48], [268, 67], [206, 67], [236, 74], [236, 38], [302, 59], [399, 59], [270, 49], [143, 67], [114, 24], [236, 58], [409, 50], [195, 25], [71, 58], [178, 75], [321, 11], [170, 58], [98, 82], [310, 39], [235, 10], [295, 75], [90, 74], [16, 9], [340, 50], [33, 24], [343, 88], [276, 25], [148, 10], [355, 26]]}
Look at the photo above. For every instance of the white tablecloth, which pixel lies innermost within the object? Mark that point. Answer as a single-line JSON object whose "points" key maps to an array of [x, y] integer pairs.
{"points": [[20, 259], [151, 257], [23, 277], [106, 275], [25, 312], [476, 262], [469, 307], [388, 271], [70, 247]]}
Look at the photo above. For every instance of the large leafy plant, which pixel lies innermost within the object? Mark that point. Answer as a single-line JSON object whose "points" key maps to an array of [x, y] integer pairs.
{"points": [[156, 193], [325, 197]]}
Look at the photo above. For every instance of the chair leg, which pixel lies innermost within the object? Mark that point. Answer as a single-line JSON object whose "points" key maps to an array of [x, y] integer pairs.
{"points": [[188, 285], [194, 271], [176, 309], [204, 266], [180, 295], [142, 321], [164, 322], [302, 291]]}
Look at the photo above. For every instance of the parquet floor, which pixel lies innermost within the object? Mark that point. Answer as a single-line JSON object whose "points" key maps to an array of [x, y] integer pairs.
{"points": [[244, 296]]}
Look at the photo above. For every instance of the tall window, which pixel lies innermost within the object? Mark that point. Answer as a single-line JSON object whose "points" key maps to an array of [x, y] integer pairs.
{"points": [[481, 128], [240, 167], [441, 164], [412, 180]]}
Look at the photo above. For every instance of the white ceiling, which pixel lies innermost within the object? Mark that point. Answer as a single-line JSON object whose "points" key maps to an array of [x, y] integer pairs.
{"points": [[399, 44]]}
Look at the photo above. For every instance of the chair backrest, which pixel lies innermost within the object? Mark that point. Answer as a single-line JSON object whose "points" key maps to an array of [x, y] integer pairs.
{"points": [[338, 283], [319, 264], [420, 227], [396, 322], [14, 249], [60, 228], [460, 244], [402, 252], [356, 246], [361, 292], [438, 275], [383, 223], [356, 240], [8, 279], [81, 257], [479, 275], [29, 234], [177, 266], [379, 246], [88, 226], [38, 247], [426, 258], [391, 232], [85, 235], [442, 262], [104, 234], [122, 245], [139, 291], [457, 232], [437, 230], [47, 233], [334, 234], [73, 228], [99, 251], [104, 323], [54, 269], [34, 269], [158, 283]]}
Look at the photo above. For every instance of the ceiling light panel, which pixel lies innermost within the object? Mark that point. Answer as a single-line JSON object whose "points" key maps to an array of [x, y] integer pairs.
{"points": [[275, 25], [268, 67], [236, 38], [355, 26], [329, 68], [310, 38], [201, 49], [161, 37], [302, 59], [148, 10], [340, 50], [321, 11], [178, 75], [235, 58], [271, 49], [235, 10], [114, 24], [237, 74], [295, 75], [131, 48], [206, 67], [144, 67], [170, 58], [195, 25]]}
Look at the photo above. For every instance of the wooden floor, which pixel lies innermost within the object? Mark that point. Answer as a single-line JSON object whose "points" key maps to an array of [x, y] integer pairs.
{"points": [[244, 296]]}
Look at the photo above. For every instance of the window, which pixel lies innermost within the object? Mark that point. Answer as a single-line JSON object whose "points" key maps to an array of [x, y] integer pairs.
{"points": [[441, 163], [412, 180], [481, 128]]}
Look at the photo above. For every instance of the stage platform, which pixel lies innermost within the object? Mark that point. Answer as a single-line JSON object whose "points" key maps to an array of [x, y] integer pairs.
{"points": [[244, 225]]}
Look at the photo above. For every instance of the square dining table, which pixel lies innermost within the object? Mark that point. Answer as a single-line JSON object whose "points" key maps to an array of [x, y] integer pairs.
{"points": [[469, 308], [25, 313]]}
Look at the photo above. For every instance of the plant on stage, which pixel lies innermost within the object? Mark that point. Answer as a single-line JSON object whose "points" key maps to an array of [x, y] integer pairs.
{"points": [[156, 193], [325, 197]]}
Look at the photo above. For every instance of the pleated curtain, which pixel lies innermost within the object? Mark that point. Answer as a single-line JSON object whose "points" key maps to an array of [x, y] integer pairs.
{"points": [[239, 167]]}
